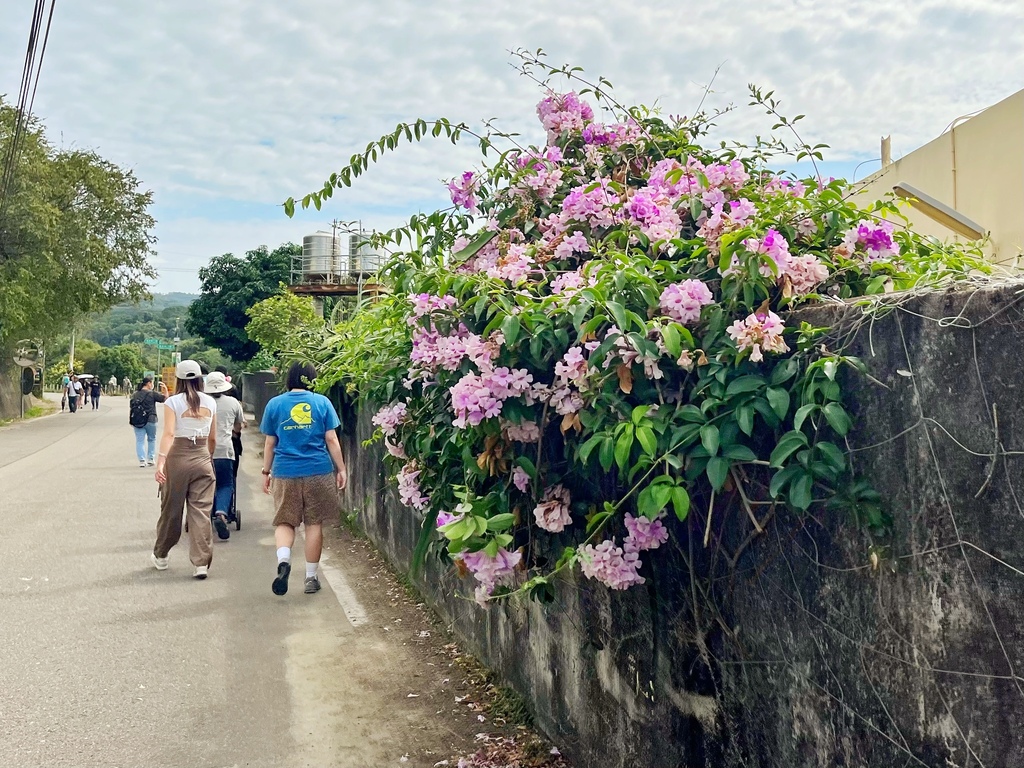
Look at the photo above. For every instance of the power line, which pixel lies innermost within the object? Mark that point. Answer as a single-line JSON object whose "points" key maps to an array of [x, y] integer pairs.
{"points": [[26, 96]]}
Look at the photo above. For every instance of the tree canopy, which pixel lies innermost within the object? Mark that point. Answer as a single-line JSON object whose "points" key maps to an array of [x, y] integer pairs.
{"points": [[74, 235], [230, 285], [276, 321]]}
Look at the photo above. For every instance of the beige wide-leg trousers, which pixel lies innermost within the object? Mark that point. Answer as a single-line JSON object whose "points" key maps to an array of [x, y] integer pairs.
{"points": [[190, 484]]}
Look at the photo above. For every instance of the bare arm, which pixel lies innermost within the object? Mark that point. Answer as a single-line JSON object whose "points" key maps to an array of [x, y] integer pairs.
{"points": [[211, 441], [334, 448], [166, 440], [268, 460]]}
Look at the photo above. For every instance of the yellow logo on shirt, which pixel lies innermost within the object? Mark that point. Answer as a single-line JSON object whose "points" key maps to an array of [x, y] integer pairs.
{"points": [[302, 414]]}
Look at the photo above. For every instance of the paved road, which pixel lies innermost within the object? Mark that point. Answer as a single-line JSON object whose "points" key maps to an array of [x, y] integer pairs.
{"points": [[106, 662]]}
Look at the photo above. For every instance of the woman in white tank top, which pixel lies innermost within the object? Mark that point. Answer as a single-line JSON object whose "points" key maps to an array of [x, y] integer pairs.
{"points": [[184, 470]]}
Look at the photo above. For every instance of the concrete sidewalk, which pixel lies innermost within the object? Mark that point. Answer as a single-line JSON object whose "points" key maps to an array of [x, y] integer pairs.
{"points": [[107, 662]]}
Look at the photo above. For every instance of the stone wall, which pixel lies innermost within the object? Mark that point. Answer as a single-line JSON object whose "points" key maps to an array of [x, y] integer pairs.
{"points": [[828, 650]]}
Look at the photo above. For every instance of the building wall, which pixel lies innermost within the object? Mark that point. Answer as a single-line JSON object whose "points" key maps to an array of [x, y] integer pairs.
{"points": [[813, 652], [977, 168]]}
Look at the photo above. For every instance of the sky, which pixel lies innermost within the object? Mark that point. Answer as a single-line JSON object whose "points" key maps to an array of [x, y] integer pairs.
{"points": [[224, 109]]}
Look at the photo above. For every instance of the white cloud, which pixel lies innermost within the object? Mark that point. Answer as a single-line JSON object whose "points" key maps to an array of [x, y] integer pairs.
{"points": [[226, 108]]}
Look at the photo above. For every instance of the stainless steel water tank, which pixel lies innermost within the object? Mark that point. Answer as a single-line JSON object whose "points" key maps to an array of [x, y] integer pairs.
{"points": [[365, 261], [319, 257]]}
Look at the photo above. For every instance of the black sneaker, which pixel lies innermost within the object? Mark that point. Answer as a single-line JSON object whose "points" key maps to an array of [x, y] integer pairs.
{"points": [[312, 585], [280, 585], [221, 524]]}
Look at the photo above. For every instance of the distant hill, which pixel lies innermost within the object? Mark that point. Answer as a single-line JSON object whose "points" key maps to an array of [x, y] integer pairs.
{"points": [[161, 301]]}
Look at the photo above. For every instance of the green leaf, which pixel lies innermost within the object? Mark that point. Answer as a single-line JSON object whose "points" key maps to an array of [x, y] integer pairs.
{"points": [[619, 315], [638, 413], [788, 444], [784, 371], [691, 413], [670, 336], [680, 502], [709, 438], [800, 491], [479, 242], [501, 522], [648, 440], [588, 447], [527, 466], [744, 384], [782, 479], [737, 452], [833, 455], [718, 470], [510, 329], [837, 418], [745, 418], [607, 454], [623, 447], [802, 413], [778, 398]]}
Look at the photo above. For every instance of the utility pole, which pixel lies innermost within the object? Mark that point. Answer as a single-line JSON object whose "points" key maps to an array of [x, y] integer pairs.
{"points": [[71, 357]]}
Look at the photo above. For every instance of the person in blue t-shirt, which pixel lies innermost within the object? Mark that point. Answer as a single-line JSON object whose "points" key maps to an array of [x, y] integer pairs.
{"points": [[304, 468]]}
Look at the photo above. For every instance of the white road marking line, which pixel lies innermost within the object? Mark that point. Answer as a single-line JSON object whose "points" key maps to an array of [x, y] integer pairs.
{"points": [[346, 597]]}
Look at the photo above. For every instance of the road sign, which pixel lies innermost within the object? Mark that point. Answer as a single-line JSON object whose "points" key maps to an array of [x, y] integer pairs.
{"points": [[165, 346], [153, 341]]}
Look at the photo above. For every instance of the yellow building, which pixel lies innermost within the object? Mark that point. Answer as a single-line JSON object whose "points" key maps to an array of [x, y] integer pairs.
{"points": [[969, 179]]}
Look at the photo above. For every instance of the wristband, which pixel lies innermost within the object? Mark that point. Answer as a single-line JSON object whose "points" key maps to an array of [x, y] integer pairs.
{"points": [[265, 471]]}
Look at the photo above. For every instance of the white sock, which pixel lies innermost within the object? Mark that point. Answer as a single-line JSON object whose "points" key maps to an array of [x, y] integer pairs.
{"points": [[311, 570], [284, 554]]}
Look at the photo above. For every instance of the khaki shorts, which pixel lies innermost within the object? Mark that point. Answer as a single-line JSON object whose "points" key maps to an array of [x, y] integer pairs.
{"points": [[311, 500]]}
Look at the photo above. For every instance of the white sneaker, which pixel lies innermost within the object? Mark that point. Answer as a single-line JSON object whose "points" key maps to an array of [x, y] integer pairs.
{"points": [[201, 571], [160, 563], [142, 464], [150, 463]]}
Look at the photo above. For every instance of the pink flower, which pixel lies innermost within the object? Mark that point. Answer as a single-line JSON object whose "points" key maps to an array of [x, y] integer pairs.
{"points": [[683, 301], [563, 112], [644, 533], [520, 479], [443, 518], [873, 240], [490, 570], [409, 487], [773, 246], [525, 432], [398, 451], [759, 332], [552, 514], [594, 204], [574, 243], [514, 266], [806, 272], [611, 565], [463, 190], [389, 417]]}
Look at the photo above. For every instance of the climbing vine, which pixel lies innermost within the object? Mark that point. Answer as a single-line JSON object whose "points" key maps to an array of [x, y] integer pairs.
{"points": [[599, 333]]}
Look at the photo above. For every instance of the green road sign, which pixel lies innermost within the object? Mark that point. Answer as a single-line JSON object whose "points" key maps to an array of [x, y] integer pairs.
{"points": [[166, 346], [153, 341]]}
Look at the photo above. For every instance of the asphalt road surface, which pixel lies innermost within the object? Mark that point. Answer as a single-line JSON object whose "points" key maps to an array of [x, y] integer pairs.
{"points": [[105, 661]]}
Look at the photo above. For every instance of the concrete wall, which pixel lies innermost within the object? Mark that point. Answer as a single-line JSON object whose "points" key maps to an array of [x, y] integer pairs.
{"points": [[977, 168], [819, 657]]}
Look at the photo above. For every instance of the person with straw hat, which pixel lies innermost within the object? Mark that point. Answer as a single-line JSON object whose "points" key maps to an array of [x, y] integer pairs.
{"points": [[229, 422]]}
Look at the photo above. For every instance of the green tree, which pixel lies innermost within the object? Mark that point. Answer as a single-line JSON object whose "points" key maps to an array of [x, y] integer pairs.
{"points": [[119, 362], [74, 239], [279, 319], [230, 286]]}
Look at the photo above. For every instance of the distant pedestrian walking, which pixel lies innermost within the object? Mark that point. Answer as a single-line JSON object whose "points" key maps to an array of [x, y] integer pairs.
{"points": [[184, 470], [73, 389], [126, 385], [94, 390], [142, 416], [230, 421], [112, 385], [304, 468]]}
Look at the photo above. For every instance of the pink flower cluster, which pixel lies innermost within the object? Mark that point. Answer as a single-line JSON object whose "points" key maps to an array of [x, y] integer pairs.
{"points": [[626, 352], [683, 301], [644, 533], [760, 332], [718, 220], [567, 283], [655, 214], [872, 239], [409, 487], [805, 272], [552, 514], [594, 204], [463, 190], [774, 247], [572, 244], [779, 186], [611, 565], [524, 432], [520, 479], [612, 136], [514, 267], [425, 304], [618, 567], [563, 112], [389, 417], [543, 174], [476, 397], [490, 571]]}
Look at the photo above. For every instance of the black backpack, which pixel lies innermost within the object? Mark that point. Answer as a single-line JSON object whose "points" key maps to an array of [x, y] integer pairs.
{"points": [[139, 409]]}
